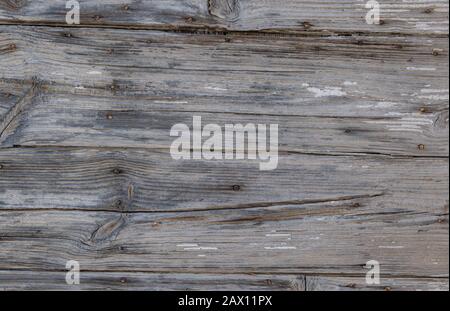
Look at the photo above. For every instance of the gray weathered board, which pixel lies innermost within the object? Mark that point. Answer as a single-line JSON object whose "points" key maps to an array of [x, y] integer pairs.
{"points": [[86, 173]]}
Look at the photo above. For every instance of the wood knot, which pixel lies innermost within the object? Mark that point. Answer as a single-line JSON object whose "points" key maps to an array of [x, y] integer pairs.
{"points": [[189, 19], [97, 17], [236, 188], [108, 231], [428, 10], [125, 7], [421, 147], [225, 9], [118, 204], [1, 166], [437, 52], [109, 116]]}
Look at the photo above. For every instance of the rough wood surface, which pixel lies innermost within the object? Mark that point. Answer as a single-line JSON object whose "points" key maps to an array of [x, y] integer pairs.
{"points": [[416, 16], [85, 118], [44, 280]]}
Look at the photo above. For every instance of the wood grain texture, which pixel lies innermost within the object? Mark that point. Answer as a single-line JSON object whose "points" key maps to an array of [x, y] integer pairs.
{"points": [[357, 111], [418, 16], [86, 174], [94, 179], [66, 204]]}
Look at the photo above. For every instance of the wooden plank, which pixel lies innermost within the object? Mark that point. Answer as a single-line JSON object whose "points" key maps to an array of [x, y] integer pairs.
{"points": [[132, 210], [71, 120], [44, 280], [337, 72], [324, 283], [96, 179], [418, 16], [293, 239], [322, 102]]}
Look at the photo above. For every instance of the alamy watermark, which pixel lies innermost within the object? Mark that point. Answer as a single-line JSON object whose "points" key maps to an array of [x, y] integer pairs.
{"points": [[373, 16], [73, 15], [373, 275], [236, 141], [73, 275]]}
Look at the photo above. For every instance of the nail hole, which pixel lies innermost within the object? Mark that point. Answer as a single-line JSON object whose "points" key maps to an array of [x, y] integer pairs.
{"points": [[236, 188], [421, 147], [117, 171]]}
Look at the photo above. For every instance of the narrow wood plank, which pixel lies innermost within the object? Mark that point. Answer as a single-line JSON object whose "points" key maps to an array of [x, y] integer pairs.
{"points": [[327, 283], [418, 16], [44, 280], [72, 120], [94, 179]]}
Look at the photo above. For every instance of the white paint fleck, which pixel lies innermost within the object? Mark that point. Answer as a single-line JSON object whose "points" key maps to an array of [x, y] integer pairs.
{"points": [[280, 247], [216, 88], [278, 235], [327, 92], [421, 68], [391, 247], [350, 83]]}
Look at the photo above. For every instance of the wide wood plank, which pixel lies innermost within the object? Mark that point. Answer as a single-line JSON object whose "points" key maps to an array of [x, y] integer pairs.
{"points": [[324, 103], [136, 211], [418, 16], [139, 180], [293, 239]]}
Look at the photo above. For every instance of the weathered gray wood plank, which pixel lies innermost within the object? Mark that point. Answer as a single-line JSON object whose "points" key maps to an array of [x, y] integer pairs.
{"points": [[340, 72], [94, 179], [71, 120], [333, 237], [327, 283], [44, 280], [418, 16], [360, 100], [52, 202]]}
